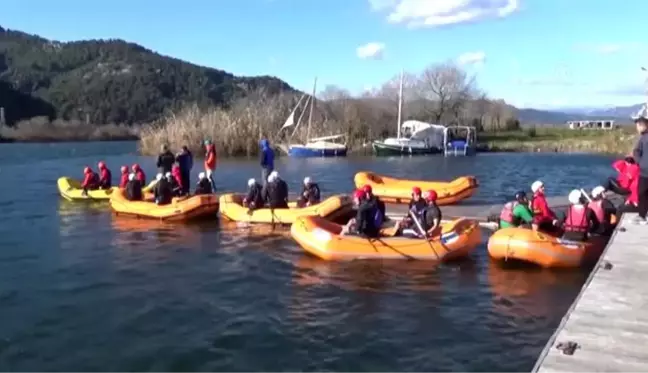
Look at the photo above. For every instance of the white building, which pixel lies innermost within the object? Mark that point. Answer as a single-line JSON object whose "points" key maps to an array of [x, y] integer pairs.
{"points": [[591, 124]]}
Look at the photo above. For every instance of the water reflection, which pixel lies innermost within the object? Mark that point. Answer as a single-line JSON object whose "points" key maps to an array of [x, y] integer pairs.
{"points": [[134, 233]]}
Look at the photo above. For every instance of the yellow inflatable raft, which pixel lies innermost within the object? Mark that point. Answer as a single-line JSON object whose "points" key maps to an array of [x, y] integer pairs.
{"points": [[322, 238], [182, 208], [545, 250], [231, 208], [400, 191], [71, 190]]}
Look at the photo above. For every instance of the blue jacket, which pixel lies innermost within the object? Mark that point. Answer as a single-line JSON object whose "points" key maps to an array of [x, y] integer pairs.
{"points": [[267, 155], [185, 161]]}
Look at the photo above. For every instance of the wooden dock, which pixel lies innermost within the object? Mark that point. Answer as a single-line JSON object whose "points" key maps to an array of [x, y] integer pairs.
{"points": [[606, 328]]}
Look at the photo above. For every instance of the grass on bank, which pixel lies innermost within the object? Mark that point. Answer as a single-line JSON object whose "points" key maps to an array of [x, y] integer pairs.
{"points": [[40, 129], [554, 139]]}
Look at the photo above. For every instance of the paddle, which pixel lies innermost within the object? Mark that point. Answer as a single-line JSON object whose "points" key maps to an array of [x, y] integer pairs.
{"points": [[585, 194], [420, 227]]}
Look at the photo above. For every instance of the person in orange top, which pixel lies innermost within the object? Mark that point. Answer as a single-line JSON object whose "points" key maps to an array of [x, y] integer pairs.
{"points": [[210, 162], [543, 216]]}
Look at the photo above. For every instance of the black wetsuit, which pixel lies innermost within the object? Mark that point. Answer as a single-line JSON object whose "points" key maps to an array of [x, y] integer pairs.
{"points": [[134, 190], [276, 194], [165, 162], [163, 192], [204, 187], [254, 197], [312, 195]]}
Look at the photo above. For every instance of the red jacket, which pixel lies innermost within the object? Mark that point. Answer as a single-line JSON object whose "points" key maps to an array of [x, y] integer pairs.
{"points": [[210, 158], [124, 180], [628, 172], [541, 211], [175, 172], [90, 180], [633, 198]]}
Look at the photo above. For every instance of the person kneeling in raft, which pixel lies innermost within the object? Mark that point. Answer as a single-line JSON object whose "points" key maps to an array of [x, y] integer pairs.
{"points": [[162, 190], [543, 216], [123, 180], [276, 192], [517, 213], [417, 207], [368, 218], [133, 188], [579, 219], [430, 220], [310, 193], [203, 186], [105, 176], [90, 180], [604, 210], [254, 198]]}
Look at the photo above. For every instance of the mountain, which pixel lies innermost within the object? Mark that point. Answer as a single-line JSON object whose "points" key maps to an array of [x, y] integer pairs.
{"points": [[619, 111], [536, 116], [109, 81]]}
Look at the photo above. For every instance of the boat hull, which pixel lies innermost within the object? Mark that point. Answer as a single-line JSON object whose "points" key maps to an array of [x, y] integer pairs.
{"points": [[382, 149], [307, 152]]}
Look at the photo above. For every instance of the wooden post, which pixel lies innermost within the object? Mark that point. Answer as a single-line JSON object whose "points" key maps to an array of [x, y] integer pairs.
{"points": [[2, 116]]}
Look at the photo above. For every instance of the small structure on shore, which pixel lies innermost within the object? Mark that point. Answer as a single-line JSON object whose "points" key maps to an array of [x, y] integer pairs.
{"points": [[591, 124]]}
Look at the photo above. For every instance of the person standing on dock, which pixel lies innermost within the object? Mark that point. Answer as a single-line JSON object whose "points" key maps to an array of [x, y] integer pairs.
{"points": [[640, 154], [266, 159], [210, 162], [165, 160], [185, 162]]}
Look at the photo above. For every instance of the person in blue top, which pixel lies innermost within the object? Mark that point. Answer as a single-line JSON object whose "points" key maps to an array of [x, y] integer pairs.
{"points": [[185, 162], [266, 160]]}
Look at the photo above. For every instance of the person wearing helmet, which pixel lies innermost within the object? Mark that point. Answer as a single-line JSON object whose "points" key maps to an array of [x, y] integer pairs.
{"points": [[432, 216], [177, 181], [133, 188], [543, 216], [276, 192], [266, 159], [603, 209], [123, 180], [254, 198], [628, 173], [90, 180], [139, 173], [579, 219], [105, 176], [375, 201], [640, 155], [310, 194], [163, 190], [417, 206], [185, 162], [516, 212], [210, 161], [204, 185], [165, 160], [364, 222]]}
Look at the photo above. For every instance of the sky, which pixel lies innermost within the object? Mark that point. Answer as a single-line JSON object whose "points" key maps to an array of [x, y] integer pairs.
{"points": [[532, 53]]}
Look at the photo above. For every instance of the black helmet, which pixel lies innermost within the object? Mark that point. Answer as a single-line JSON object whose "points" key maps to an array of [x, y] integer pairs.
{"points": [[520, 195]]}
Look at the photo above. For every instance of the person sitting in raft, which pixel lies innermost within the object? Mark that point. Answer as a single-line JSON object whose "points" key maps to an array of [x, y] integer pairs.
{"points": [[310, 193], [579, 219], [517, 212], [90, 180], [433, 215], [364, 222], [123, 180], [173, 184], [133, 188], [375, 200], [254, 197], [177, 181], [204, 186], [276, 192], [603, 209], [543, 216], [417, 206], [105, 176], [162, 190], [628, 172], [139, 174]]}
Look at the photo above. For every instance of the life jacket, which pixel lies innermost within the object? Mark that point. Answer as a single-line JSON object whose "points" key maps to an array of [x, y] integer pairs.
{"points": [[106, 178], [123, 181], [507, 213], [577, 219], [597, 207]]}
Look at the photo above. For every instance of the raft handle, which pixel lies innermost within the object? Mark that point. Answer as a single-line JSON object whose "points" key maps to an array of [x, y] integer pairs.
{"points": [[607, 265], [568, 348]]}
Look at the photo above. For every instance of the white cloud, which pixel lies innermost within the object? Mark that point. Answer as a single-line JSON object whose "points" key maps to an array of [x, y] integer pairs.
{"points": [[472, 58], [430, 13], [371, 50]]}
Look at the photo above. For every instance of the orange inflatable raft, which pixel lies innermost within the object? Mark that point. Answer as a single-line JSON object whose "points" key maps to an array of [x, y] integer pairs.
{"points": [[181, 208], [400, 191], [322, 238], [523, 244]]}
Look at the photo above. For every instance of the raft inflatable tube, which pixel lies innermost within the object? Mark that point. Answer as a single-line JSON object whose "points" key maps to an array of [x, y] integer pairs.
{"points": [[400, 191], [231, 208], [321, 238], [545, 250], [71, 190], [180, 208]]}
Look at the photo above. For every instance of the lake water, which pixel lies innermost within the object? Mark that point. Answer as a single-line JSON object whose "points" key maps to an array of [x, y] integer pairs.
{"points": [[83, 290]]}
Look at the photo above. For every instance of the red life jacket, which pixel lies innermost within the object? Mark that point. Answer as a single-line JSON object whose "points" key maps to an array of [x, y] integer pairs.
{"points": [[507, 212], [577, 219], [597, 207]]}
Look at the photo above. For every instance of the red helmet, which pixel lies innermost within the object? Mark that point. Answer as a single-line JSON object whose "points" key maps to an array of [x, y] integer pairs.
{"points": [[367, 189], [359, 194], [101, 165], [416, 191], [124, 169], [136, 167], [87, 170], [431, 195]]}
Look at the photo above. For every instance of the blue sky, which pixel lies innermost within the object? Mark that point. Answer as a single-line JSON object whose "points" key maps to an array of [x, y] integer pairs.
{"points": [[531, 53]]}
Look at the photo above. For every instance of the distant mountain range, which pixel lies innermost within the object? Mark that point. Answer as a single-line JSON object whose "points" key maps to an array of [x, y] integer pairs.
{"points": [[620, 114]]}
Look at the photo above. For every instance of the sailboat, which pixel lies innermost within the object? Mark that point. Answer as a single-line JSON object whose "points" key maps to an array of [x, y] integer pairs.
{"points": [[419, 137], [313, 147]]}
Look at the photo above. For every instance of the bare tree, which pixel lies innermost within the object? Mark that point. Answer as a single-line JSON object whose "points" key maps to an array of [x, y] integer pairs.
{"points": [[443, 90]]}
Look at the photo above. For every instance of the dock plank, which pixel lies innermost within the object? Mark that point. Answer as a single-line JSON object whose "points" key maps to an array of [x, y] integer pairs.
{"points": [[608, 319]]}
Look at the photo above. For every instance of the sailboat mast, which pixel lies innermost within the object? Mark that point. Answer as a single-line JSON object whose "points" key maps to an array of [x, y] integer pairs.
{"points": [[310, 114], [400, 105]]}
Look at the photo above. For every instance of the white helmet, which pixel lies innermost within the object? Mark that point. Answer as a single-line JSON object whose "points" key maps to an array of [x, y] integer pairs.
{"points": [[167, 175], [598, 191], [251, 182], [536, 186], [307, 180], [575, 197], [201, 175], [159, 176], [131, 176], [274, 175]]}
